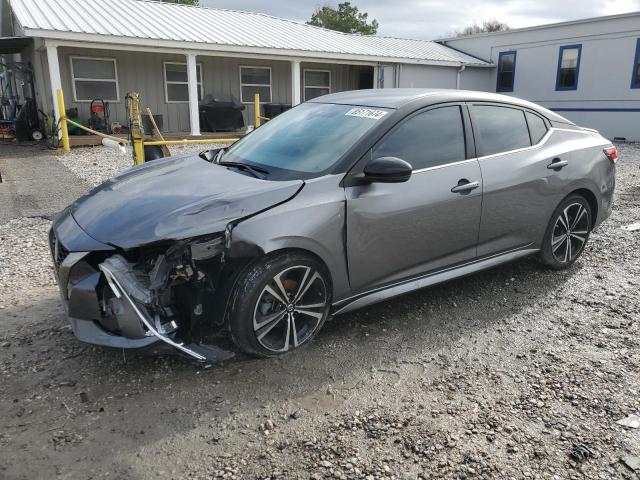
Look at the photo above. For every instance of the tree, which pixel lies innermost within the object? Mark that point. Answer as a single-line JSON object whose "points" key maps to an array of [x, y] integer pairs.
{"points": [[183, 2], [346, 18], [492, 25]]}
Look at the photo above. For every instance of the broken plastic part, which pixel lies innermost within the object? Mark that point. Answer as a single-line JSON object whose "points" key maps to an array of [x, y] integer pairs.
{"points": [[204, 250], [159, 273], [120, 267]]}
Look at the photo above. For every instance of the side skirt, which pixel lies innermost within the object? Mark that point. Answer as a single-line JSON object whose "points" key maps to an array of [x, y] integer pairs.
{"points": [[394, 290]]}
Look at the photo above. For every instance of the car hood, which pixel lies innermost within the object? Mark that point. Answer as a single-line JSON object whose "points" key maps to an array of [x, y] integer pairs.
{"points": [[173, 199]]}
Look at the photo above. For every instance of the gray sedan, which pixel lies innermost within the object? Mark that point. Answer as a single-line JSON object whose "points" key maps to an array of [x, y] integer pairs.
{"points": [[343, 201]]}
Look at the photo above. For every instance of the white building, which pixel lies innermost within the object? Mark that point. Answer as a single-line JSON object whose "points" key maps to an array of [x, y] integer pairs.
{"points": [[175, 55], [586, 70]]}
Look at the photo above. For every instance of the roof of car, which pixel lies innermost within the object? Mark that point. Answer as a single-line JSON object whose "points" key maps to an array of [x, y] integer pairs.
{"points": [[398, 97]]}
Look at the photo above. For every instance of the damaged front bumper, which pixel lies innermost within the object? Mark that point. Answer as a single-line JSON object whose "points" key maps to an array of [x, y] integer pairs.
{"points": [[107, 305]]}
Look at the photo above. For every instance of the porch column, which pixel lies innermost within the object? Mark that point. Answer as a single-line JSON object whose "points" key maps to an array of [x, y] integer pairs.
{"points": [[376, 76], [54, 79], [295, 82], [192, 79]]}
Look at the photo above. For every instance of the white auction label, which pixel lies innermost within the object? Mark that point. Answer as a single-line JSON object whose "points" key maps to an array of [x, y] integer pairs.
{"points": [[366, 113]]}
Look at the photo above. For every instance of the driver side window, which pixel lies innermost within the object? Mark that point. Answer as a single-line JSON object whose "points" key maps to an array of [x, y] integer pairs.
{"points": [[428, 139]]}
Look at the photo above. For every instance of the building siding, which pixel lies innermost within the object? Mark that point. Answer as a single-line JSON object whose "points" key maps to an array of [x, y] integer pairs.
{"points": [[424, 76], [603, 100], [142, 72], [343, 77]]}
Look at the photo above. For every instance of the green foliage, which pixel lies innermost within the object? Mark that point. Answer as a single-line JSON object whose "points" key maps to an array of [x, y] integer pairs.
{"points": [[346, 18], [487, 26]]}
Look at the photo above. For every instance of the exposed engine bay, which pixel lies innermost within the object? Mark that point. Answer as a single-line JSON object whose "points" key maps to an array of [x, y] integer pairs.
{"points": [[167, 293]]}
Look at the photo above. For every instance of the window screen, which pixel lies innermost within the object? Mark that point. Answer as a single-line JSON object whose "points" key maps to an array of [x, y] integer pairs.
{"points": [[177, 84], [568, 66], [94, 78], [501, 128], [255, 80], [537, 127], [316, 83], [429, 139]]}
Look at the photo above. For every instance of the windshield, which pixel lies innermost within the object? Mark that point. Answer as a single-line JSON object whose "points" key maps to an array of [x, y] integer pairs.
{"points": [[305, 141]]}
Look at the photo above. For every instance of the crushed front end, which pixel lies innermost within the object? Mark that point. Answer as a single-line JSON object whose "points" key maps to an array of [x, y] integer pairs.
{"points": [[164, 294]]}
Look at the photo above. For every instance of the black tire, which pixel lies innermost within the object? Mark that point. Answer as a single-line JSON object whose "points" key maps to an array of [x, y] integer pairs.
{"points": [[255, 311], [561, 248], [152, 152]]}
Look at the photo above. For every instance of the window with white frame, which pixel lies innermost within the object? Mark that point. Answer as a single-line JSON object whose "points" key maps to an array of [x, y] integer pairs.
{"points": [[176, 82], [316, 83], [94, 78], [255, 80]]}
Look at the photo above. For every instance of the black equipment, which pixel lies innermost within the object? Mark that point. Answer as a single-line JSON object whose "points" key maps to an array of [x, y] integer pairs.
{"points": [[99, 119], [218, 115], [19, 115]]}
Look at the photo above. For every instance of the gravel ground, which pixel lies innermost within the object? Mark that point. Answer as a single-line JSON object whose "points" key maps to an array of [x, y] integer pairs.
{"points": [[517, 372]]}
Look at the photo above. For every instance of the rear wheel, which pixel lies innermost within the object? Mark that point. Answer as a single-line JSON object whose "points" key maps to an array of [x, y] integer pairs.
{"points": [[567, 233], [279, 304]]}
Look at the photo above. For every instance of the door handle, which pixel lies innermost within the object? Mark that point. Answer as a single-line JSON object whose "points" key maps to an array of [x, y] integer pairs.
{"points": [[557, 164], [465, 185]]}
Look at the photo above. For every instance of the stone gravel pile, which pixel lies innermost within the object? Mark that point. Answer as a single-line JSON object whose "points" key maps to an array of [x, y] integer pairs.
{"points": [[25, 263]]}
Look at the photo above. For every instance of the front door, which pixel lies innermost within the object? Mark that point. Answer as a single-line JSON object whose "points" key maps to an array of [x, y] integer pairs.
{"points": [[399, 230]]}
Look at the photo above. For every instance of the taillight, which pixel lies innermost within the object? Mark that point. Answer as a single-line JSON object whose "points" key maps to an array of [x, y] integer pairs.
{"points": [[611, 153]]}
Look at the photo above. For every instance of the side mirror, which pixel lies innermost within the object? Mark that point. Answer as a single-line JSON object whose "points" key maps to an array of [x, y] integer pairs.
{"points": [[387, 170]]}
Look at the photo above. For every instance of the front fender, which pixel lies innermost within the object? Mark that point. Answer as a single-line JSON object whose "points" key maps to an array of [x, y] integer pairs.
{"points": [[313, 221]]}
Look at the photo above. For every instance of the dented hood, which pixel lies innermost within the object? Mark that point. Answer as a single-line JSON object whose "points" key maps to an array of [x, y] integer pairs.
{"points": [[174, 198]]}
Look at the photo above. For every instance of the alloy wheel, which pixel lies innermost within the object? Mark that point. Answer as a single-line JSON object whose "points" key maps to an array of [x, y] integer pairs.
{"points": [[570, 233], [290, 308]]}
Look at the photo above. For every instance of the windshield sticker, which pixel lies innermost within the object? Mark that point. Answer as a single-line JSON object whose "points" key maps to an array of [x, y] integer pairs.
{"points": [[366, 113]]}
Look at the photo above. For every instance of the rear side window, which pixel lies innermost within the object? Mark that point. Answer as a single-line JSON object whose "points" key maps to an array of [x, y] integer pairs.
{"points": [[537, 127], [428, 139], [501, 128]]}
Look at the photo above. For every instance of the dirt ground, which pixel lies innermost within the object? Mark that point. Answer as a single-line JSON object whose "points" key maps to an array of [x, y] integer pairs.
{"points": [[517, 372]]}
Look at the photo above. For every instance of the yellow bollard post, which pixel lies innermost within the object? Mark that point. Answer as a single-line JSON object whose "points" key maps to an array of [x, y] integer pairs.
{"points": [[136, 130], [256, 108], [63, 121], [138, 151]]}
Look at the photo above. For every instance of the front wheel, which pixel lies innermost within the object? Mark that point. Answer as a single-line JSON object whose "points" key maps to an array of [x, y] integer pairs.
{"points": [[279, 304], [567, 233]]}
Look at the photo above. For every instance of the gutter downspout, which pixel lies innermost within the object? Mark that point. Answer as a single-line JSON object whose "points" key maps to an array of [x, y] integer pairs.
{"points": [[459, 76]]}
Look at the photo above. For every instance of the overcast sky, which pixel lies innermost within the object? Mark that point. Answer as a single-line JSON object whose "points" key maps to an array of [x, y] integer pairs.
{"points": [[429, 19]]}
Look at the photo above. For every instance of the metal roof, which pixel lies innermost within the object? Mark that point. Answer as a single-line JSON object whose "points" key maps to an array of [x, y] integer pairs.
{"points": [[545, 26], [157, 24]]}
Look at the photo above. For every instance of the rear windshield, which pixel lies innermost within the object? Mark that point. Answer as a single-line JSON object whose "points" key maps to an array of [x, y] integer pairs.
{"points": [[306, 141]]}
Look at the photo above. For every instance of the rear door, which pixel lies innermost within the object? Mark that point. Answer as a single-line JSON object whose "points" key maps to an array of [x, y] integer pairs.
{"points": [[519, 186], [399, 230]]}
